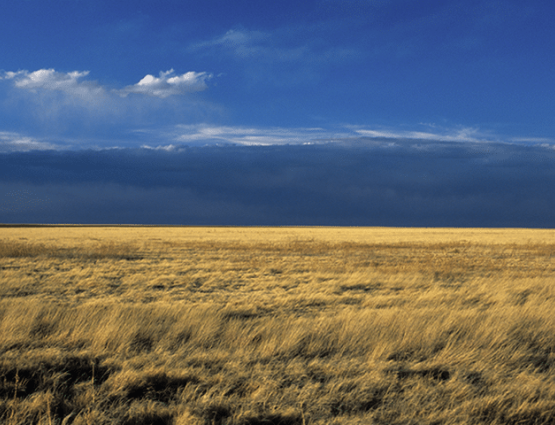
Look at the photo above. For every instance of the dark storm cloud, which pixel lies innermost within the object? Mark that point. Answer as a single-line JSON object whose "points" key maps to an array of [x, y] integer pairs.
{"points": [[353, 182]]}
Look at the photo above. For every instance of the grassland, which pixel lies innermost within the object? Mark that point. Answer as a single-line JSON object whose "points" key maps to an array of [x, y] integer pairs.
{"points": [[137, 325]]}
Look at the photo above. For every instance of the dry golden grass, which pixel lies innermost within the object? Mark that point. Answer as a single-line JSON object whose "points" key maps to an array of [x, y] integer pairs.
{"points": [[147, 325]]}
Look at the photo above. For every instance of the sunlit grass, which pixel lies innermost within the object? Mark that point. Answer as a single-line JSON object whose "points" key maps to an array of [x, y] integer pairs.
{"points": [[276, 325]]}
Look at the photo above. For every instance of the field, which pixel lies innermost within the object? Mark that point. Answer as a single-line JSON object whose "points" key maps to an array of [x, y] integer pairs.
{"points": [[246, 326]]}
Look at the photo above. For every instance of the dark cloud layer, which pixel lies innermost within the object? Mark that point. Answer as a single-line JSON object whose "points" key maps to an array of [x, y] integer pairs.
{"points": [[354, 182]]}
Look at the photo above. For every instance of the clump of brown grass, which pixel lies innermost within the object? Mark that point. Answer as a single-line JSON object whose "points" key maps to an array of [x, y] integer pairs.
{"points": [[16, 249], [110, 250]]}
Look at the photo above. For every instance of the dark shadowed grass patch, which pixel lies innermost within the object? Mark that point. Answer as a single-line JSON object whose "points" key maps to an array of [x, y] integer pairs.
{"points": [[63, 374], [437, 374], [159, 386], [505, 412], [141, 343], [216, 413], [272, 419]]}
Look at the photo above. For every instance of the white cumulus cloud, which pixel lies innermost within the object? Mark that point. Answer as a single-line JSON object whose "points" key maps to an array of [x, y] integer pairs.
{"points": [[168, 84], [52, 80], [74, 84]]}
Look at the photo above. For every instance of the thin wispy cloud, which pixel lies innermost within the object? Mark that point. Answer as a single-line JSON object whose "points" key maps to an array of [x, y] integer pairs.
{"points": [[288, 56], [251, 136], [538, 140], [280, 46], [463, 134], [173, 138], [204, 134], [14, 142], [316, 135], [241, 42]]}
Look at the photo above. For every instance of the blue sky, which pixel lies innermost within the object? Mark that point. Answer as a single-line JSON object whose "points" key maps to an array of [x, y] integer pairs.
{"points": [[168, 75]]}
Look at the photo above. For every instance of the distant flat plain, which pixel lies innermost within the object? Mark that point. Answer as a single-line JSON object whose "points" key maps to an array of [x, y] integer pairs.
{"points": [[276, 325]]}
